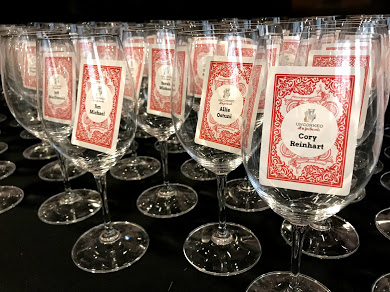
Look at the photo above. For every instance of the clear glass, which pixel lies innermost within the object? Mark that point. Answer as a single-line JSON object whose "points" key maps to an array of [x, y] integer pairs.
{"points": [[335, 237], [220, 248], [94, 139], [168, 199], [10, 196], [265, 159], [19, 79], [193, 170], [135, 167]]}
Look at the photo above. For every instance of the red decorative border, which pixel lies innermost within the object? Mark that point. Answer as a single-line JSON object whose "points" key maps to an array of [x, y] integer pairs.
{"points": [[341, 87]]}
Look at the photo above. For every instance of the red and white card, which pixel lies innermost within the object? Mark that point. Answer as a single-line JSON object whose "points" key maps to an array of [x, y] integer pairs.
{"points": [[221, 107], [180, 81], [59, 87], [320, 58], [99, 104], [160, 80], [107, 50], [135, 55], [255, 101], [339, 46], [310, 129], [242, 50], [200, 49], [289, 50], [29, 68]]}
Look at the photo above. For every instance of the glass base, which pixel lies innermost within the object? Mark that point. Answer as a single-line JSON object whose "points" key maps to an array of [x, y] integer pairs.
{"points": [[64, 209], [10, 196], [241, 196], [135, 168], [167, 201], [14, 124], [382, 284], [174, 146], [98, 252], [27, 135], [338, 239], [378, 167], [39, 151], [3, 117], [3, 147], [52, 171], [193, 170], [226, 256], [382, 222], [281, 281], [6, 168], [385, 180]]}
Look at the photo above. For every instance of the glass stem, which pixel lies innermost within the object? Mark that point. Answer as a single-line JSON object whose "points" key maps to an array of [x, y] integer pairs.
{"points": [[298, 233], [110, 234], [64, 170], [221, 187], [164, 160]]}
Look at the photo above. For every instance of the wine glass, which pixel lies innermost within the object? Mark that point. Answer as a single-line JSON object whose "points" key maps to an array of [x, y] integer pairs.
{"points": [[221, 248], [135, 167], [193, 170], [10, 196], [240, 194], [43, 150], [95, 135], [334, 237], [306, 184], [66, 207], [166, 200]]}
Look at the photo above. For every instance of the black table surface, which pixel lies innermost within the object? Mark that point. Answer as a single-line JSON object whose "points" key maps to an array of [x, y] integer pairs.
{"points": [[35, 256]]}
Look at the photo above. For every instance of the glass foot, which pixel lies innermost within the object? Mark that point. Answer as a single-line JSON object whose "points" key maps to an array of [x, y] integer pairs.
{"points": [[281, 281], [135, 168], [27, 135], [6, 168], [101, 251], [378, 167], [193, 170], [39, 151], [3, 147], [385, 180], [52, 171], [241, 196], [167, 201], [382, 222], [382, 284], [63, 208], [233, 254], [3, 117], [10, 196], [337, 239], [174, 146], [14, 124]]}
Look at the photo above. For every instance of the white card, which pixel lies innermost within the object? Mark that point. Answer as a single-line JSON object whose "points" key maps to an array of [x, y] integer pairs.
{"points": [[310, 129], [320, 58], [221, 107], [59, 87], [99, 104]]}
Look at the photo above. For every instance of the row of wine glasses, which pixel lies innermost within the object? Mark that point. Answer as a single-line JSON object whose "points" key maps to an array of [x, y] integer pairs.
{"points": [[19, 78], [196, 85]]}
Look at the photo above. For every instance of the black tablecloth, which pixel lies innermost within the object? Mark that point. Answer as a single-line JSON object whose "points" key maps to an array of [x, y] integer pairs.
{"points": [[35, 256]]}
